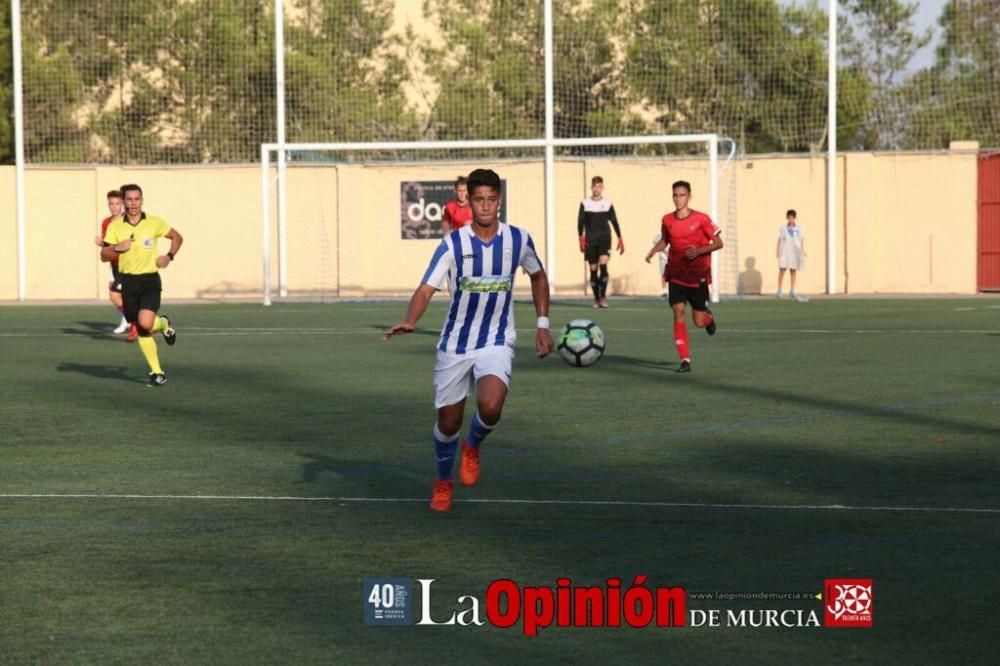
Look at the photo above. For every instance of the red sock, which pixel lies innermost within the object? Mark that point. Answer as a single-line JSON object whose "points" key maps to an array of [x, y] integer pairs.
{"points": [[708, 318], [681, 340]]}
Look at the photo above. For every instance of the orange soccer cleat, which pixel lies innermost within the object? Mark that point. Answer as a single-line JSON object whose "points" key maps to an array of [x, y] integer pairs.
{"points": [[468, 469], [441, 497]]}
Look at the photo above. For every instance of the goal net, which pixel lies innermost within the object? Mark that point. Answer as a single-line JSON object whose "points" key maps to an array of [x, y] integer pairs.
{"points": [[361, 220], [195, 82]]}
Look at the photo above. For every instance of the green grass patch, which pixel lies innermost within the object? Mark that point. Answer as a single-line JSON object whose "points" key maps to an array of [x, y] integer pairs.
{"points": [[722, 480]]}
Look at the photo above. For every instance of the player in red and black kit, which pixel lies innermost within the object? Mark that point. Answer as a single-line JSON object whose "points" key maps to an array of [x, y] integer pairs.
{"points": [[692, 237], [457, 212], [116, 207]]}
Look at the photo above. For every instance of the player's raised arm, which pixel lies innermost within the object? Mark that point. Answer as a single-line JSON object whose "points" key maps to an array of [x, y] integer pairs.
{"points": [[418, 306]]}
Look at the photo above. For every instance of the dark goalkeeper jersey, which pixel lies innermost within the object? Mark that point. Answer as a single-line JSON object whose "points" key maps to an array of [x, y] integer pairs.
{"points": [[593, 219]]}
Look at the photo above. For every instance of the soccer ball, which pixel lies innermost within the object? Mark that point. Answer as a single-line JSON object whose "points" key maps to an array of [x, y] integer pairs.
{"points": [[581, 343]]}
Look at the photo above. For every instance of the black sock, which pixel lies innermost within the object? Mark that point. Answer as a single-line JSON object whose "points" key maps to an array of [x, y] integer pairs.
{"points": [[604, 280], [594, 284]]}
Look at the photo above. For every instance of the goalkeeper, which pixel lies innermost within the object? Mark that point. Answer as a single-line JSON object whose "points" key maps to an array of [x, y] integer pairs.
{"points": [[592, 221]]}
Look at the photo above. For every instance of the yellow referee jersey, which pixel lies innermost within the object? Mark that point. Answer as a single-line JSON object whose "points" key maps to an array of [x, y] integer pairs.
{"points": [[141, 257]]}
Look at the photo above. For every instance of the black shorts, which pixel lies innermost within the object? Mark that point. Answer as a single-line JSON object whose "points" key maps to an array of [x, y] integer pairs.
{"points": [[696, 296], [140, 292], [116, 279], [596, 248]]}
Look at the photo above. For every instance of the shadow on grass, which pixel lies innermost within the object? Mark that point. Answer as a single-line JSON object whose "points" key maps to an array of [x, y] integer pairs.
{"points": [[319, 464], [621, 359], [95, 330], [101, 371]]}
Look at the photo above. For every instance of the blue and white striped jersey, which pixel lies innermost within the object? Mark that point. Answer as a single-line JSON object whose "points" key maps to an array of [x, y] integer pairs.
{"points": [[481, 276]]}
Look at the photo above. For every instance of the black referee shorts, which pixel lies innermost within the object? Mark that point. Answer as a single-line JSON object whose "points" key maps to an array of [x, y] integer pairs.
{"points": [[696, 296], [140, 292]]}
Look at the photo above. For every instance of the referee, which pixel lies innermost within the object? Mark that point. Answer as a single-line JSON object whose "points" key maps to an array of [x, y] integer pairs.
{"points": [[133, 239]]}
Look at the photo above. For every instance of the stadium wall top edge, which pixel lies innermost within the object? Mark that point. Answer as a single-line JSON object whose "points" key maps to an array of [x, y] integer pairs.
{"points": [[68, 166]]}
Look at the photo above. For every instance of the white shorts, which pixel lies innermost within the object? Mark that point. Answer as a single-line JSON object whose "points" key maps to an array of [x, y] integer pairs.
{"points": [[455, 375]]}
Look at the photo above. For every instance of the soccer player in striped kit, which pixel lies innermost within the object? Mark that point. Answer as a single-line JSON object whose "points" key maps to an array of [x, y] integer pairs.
{"points": [[475, 351]]}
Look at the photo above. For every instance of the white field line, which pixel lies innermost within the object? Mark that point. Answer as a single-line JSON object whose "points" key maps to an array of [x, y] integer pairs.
{"points": [[978, 307], [531, 502], [201, 331]]}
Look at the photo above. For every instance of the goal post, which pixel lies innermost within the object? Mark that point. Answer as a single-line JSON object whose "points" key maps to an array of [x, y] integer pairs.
{"points": [[416, 155]]}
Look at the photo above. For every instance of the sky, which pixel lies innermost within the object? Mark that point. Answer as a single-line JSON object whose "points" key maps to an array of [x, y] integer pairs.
{"points": [[927, 15]]}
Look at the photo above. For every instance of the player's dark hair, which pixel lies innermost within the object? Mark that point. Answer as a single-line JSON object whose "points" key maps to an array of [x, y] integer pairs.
{"points": [[461, 180], [791, 211], [483, 178], [595, 180], [115, 194], [128, 188], [681, 183]]}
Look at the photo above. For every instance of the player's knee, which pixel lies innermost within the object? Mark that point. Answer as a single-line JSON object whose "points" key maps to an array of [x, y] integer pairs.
{"points": [[490, 410], [449, 425]]}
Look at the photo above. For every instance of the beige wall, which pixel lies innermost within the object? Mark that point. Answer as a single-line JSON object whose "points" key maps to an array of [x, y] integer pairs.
{"points": [[912, 223], [216, 209], [907, 224], [8, 235]]}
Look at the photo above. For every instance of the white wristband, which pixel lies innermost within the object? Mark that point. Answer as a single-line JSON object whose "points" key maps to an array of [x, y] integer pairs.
{"points": [[543, 322]]}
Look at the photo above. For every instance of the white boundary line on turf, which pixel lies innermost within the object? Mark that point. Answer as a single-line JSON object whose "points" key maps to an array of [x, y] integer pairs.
{"points": [[210, 332], [981, 307], [611, 503]]}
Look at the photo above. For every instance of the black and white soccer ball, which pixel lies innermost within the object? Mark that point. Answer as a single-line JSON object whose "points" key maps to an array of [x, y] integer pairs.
{"points": [[581, 343]]}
